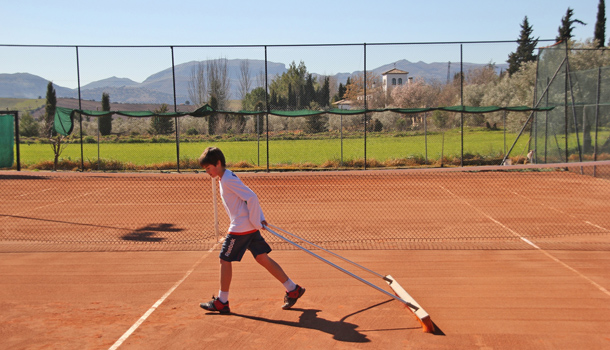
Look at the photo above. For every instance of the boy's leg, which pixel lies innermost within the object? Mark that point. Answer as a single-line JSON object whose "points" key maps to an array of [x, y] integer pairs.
{"points": [[221, 303], [232, 250], [293, 291], [274, 268], [226, 274]]}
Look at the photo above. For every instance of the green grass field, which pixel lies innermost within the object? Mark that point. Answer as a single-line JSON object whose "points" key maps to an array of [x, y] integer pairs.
{"points": [[21, 104], [482, 143]]}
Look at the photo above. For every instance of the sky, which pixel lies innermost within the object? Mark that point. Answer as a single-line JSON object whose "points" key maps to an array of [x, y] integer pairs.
{"points": [[191, 23]]}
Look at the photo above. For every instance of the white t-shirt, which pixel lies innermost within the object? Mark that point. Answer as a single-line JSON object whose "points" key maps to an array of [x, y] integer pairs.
{"points": [[241, 204]]}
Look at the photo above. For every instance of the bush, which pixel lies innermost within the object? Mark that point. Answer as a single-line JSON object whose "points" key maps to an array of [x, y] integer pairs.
{"points": [[28, 127], [89, 139], [160, 139], [377, 126]]}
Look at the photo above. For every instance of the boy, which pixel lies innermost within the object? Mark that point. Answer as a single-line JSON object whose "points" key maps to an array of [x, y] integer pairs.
{"points": [[247, 219]]}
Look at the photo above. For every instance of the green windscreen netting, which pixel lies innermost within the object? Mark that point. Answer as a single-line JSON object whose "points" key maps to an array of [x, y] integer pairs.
{"points": [[576, 82], [7, 140], [64, 116]]}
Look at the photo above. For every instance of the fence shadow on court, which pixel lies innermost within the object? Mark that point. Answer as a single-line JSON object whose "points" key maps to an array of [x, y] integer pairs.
{"points": [[148, 232]]}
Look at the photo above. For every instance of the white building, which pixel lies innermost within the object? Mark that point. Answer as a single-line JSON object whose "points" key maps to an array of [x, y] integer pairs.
{"points": [[393, 78]]}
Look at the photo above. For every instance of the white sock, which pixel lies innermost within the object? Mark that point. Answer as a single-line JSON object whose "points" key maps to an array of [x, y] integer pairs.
{"points": [[223, 296], [289, 285]]}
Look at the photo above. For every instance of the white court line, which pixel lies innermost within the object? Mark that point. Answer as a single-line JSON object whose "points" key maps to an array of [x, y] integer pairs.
{"points": [[602, 289], [54, 203], [31, 193], [562, 212], [158, 303]]}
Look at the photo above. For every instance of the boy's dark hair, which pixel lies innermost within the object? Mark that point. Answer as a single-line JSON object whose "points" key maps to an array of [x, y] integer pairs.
{"points": [[211, 156]]}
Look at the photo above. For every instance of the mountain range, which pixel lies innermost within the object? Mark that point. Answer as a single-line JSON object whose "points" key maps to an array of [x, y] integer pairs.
{"points": [[158, 88]]}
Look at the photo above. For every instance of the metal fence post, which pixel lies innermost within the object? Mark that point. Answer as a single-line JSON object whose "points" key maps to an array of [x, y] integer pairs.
{"points": [[80, 116], [17, 141], [462, 105], [175, 111], [267, 107], [365, 106]]}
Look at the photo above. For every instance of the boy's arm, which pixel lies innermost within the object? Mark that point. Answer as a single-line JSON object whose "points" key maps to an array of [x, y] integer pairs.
{"points": [[255, 212]]}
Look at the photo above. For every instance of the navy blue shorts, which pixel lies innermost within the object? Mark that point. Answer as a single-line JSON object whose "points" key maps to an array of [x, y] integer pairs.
{"points": [[235, 246]]}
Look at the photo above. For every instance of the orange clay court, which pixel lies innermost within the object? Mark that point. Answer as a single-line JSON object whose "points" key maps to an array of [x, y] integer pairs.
{"points": [[498, 259]]}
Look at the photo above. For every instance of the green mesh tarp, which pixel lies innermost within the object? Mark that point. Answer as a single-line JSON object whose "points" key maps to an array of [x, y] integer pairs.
{"points": [[64, 116], [63, 121], [7, 140]]}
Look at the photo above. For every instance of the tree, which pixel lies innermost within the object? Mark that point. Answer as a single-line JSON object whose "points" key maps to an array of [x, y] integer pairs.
{"points": [[252, 98], [416, 94], [198, 85], [525, 50], [354, 90], [161, 125], [377, 125], [212, 118], [309, 91], [289, 88], [340, 92], [482, 75], [104, 123], [49, 111], [292, 98], [600, 24], [440, 118], [260, 120], [323, 93], [565, 31], [245, 82], [317, 123], [56, 139], [218, 82], [28, 126]]}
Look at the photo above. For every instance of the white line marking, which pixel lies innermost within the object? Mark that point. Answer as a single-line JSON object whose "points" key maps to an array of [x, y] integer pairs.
{"points": [[561, 212], [158, 303], [55, 203], [604, 290], [31, 193], [599, 227]]}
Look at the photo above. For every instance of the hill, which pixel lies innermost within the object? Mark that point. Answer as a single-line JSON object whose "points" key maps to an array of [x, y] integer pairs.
{"points": [[159, 87], [25, 85]]}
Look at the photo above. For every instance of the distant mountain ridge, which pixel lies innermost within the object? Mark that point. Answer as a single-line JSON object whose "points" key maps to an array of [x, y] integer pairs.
{"points": [[159, 87]]}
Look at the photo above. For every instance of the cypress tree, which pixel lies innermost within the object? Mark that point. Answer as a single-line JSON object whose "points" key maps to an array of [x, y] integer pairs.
{"points": [[105, 123], [565, 31], [600, 24], [525, 50], [341, 92], [310, 92], [292, 98], [49, 111], [324, 93]]}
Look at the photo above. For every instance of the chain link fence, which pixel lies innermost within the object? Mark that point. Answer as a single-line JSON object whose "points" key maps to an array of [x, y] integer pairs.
{"points": [[266, 78], [492, 207], [575, 82]]}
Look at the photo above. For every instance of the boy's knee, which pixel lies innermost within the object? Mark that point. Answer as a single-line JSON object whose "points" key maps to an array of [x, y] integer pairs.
{"points": [[262, 258]]}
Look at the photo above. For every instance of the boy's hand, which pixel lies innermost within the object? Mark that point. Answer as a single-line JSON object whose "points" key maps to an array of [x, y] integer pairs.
{"points": [[264, 223]]}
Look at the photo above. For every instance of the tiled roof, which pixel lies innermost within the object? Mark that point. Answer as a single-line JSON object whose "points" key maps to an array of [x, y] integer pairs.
{"points": [[395, 71]]}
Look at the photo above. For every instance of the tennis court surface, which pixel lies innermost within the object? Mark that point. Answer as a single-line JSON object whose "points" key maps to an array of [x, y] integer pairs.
{"points": [[513, 258]]}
